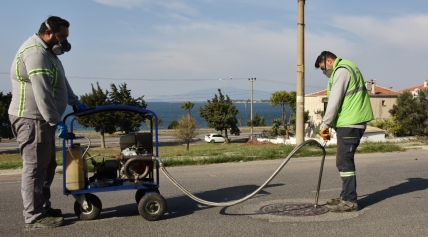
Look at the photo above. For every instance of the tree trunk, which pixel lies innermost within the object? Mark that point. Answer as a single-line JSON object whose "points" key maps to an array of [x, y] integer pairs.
{"points": [[225, 134], [286, 131], [188, 145], [102, 140], [283, 114]]}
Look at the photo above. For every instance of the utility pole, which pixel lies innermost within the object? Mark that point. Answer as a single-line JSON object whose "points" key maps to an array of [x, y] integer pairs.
{"points": [[300, 92], [251, 105]]}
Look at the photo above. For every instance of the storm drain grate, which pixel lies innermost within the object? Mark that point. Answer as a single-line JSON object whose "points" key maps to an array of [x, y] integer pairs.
{"points": [[300, 209]]}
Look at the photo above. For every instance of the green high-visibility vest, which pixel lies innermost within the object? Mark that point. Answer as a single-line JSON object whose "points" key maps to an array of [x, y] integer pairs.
{"points": [[355, 107]]}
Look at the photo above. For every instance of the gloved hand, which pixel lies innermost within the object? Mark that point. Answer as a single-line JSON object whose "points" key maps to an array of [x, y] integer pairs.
{"points": [[63, 133], [80, 106], [325, 134]]}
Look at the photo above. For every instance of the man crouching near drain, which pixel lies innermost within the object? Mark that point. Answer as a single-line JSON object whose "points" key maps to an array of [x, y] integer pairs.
{"points": [[348, 111]]}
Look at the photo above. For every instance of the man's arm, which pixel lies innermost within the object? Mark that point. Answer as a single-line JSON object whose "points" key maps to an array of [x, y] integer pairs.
{"points": [[72, 98], [337, 92]]}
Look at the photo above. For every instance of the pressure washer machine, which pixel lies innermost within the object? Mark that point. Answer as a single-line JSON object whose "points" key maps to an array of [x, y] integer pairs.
{"points": [[135, 167]]}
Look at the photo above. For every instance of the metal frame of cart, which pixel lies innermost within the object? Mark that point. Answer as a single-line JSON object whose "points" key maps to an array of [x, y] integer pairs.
{"points": [[151, 205]]}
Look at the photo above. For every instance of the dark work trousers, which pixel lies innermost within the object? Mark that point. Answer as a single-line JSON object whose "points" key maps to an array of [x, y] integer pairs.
{"points": [[36, 139], [348, 140]]}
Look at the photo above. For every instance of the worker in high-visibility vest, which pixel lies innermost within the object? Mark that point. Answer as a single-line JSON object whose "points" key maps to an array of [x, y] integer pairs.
{"points": [[348, 111]]}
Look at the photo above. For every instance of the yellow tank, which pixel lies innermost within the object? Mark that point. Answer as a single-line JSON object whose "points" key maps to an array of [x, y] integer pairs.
{"points": [[76, 169]]}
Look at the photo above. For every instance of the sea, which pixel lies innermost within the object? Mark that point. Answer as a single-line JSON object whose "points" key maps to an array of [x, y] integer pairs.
{"points": [[170, 111]]}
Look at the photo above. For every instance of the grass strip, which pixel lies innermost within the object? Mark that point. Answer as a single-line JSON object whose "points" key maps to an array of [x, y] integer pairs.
{"points": [[200, 154]]}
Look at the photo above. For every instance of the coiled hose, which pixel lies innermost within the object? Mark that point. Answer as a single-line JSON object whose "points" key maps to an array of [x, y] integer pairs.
{"points": [[231, 203]]}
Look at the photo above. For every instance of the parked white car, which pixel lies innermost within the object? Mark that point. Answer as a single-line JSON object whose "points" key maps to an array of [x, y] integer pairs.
{"points": [[215, 137]]}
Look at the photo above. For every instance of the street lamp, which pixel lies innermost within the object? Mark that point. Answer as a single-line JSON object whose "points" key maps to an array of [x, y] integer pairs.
{"points": [[251, 105]]}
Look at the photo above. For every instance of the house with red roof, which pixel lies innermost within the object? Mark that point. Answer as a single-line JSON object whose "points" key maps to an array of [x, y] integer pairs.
{"points": [[415, 89], [381, 98]]}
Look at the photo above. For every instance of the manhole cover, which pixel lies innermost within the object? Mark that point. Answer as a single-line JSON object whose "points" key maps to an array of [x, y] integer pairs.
{"points": [[301, 209]]}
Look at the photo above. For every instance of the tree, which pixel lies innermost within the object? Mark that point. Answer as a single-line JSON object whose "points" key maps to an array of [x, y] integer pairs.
{"points": [[411, 111], [283, 98], [187, 106], [319, 112], [186, 129], [110, 122], [257, 121], [220, 114], [173, 124], [276, 124], [5, 126], [149, 122], [101, 122], [126, 122]]}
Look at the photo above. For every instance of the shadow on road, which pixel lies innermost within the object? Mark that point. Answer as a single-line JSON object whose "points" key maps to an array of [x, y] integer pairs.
{"points": [[181, 205], [413, 184]]}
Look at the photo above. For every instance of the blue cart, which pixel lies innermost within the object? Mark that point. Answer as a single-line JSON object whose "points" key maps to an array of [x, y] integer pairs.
{"points": [[134, 168]]}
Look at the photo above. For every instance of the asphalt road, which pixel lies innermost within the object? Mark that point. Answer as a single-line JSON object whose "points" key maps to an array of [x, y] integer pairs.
{"points": [[392, 188]]}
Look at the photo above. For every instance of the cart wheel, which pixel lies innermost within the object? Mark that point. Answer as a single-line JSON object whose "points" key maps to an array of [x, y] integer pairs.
{"points": [[152, 206], [94, 208], [141, 192]]}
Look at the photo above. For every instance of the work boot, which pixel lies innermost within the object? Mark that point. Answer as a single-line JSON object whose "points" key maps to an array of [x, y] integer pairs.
{"points": [[344, 206], [335, 201], [46, 222], [54, 212]]}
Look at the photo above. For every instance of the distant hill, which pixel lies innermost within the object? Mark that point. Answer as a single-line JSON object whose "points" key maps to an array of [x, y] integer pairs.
{"points": [[206, 94]]}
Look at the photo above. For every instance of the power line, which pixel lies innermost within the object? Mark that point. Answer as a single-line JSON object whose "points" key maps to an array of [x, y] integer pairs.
{"points": [[282, 82]]}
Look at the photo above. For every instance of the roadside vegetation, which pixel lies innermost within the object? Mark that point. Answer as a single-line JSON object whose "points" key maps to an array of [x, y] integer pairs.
{"points": [[201, 154]]}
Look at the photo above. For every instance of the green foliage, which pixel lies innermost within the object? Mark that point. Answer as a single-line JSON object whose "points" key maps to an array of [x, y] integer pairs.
{"points": [[276, 124], [101, 122], [149, 122], [186, 130], [390, 125], [220, 114], [319, 112], [173, 124], [283, 98], [369, 147], [292, 121], [110, 122], [5, 126], [257, 121], [187, 106], [412, 113], [127, 121]]}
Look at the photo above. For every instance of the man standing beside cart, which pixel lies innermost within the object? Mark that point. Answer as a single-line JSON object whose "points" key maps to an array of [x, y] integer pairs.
{"points": [[40, 94]]}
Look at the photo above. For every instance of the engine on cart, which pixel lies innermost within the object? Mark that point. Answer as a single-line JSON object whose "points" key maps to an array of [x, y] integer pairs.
{"points": [[134, 162]]}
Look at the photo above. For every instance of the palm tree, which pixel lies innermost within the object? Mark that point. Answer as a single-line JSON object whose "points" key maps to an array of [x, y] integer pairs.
{"points": [[187, 106]]}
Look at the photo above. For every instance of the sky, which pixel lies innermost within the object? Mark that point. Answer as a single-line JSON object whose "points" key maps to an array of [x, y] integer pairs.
{"points": [[187, 49]]}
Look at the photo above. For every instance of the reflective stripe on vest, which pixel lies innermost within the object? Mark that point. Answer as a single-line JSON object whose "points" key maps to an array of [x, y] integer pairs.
{"points": [[22, 92], [358, 87]]}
